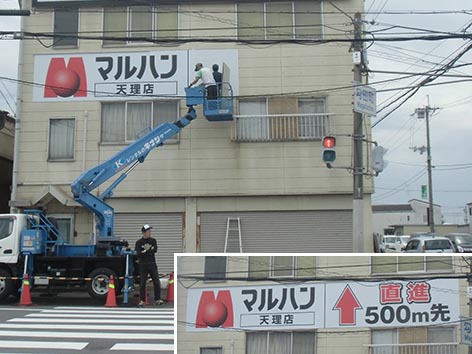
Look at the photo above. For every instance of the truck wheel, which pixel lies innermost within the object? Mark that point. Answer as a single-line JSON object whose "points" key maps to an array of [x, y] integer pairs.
{"points": [[97, 286], [6, 285]]}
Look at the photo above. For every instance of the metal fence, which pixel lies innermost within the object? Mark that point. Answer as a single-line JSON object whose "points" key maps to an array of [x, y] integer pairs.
{"points": [[281, 127], [414, 348]]}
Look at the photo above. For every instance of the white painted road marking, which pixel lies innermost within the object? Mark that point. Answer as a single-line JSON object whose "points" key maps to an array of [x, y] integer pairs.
{"points": [[42, 345], [88, 327], [108, 335], [132, 347], [80, 320]]}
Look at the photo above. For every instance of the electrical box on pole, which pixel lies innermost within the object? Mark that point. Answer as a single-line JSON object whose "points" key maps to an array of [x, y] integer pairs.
{"points": [[377, 160]]}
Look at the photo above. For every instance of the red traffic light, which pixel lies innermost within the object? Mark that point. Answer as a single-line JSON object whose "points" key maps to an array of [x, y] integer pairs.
{"points": [[329, 142]]}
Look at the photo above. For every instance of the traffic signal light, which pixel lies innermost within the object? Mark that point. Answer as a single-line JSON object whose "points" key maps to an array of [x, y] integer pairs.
{"points": [[329, 150]]}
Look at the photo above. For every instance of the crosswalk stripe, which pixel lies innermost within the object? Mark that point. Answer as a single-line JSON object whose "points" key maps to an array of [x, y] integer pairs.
{"points": [[114, 309], [131, 347], [85, 326], [118, 312], [80, 320], [42, 345], [103, 335], [77, 315]]}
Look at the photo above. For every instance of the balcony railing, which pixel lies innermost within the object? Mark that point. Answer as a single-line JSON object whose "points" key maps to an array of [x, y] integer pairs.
{"points": [[281, 127], [414, 348]]}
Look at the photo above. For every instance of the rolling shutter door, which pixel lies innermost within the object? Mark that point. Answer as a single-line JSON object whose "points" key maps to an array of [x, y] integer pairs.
{"points": [[284, 231], [167, 230]]}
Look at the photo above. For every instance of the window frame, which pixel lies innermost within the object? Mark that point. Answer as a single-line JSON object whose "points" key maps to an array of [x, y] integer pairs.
{"points": [[398, 264], [208, 278], [268, 262], [268, 335], [209, 348], [124, 138], [73, 142], [156, 33], [56, 43], [71, 219], [294, 34]]}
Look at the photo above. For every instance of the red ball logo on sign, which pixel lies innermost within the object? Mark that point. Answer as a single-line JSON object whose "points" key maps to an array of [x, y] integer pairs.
{"points": [[65, 82], [215, 313]]}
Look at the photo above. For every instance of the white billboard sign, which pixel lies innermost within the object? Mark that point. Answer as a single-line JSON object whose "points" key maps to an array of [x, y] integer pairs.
{"points": [[125, 75], [365, 99], [310, 305]]}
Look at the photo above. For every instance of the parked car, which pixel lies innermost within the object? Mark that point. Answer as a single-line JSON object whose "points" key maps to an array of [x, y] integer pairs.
{"points": [[395, 243], [429, 244], [422, 234], [462, 242]]}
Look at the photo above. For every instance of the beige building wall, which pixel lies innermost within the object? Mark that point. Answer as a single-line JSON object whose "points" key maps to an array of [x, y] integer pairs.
{"points": [[335, 341], [206, 167]]}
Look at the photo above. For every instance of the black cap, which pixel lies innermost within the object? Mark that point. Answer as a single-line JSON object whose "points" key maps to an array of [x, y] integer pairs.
{"points": [[145, 228]]}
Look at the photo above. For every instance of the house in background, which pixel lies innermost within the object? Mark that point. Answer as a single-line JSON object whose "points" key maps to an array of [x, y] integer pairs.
{"points": [[386, 218], [7, 142]]}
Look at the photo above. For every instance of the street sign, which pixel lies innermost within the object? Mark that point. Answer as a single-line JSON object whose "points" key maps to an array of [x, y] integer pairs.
{"points": [[424, 191], [309, 305], [365, 99], [466, 331]]}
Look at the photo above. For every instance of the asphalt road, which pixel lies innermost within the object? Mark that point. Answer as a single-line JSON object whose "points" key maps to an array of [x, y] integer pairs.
{"points": [[74, 323]]}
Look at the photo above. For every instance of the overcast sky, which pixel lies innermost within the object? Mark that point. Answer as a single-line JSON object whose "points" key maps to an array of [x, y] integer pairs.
{"points": [[450, 125]]}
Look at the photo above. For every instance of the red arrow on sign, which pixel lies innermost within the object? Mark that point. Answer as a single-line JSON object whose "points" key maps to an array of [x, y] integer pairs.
{"points": [[347, 305]]}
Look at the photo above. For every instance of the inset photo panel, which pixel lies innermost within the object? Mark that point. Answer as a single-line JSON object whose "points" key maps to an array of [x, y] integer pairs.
{"points": [[318, 303]]}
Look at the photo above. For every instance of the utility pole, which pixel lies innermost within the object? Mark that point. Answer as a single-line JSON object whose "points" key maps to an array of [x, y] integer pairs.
{"points": [[424, 113], [358, 183], [469, 281]]}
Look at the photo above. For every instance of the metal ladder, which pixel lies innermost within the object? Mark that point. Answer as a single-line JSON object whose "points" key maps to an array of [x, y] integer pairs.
{"points": [[233, 236]]}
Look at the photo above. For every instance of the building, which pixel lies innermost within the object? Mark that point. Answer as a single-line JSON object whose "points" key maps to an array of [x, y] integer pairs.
{"points": [[7, 141], [320, 304], [108, 70], [387, 217]]}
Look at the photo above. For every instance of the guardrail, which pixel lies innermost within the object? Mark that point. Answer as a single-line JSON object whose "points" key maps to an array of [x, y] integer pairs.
{"points": [[281, 127], [414, 348]]}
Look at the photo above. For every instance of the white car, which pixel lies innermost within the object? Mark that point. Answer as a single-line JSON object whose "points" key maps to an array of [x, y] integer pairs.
{"points": [[395, 243], [429, 244]]}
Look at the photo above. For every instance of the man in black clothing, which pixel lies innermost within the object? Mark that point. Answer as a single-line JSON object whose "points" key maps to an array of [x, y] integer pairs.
{"points": [[218, 78], [146, 248]]}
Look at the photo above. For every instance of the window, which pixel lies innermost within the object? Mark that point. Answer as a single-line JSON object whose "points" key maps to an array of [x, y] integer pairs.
{"points": [[126, 121], [61, 139], [218, 350], [383, 341], [420, 338], [279, 266], [280, 20], [310, 124], [151, 22], [6, 227], [280, 343], [215, 267], [255, 123], [65, 225], [66, 25], [395, 264]]}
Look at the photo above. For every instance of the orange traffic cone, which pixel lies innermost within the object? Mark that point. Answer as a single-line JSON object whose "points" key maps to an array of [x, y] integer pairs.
{"points": [[170, 289], [25, 292], [111, 296]]}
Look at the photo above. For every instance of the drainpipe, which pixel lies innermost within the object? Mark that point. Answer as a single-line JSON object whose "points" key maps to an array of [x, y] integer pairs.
{"points": [[84, 147]]}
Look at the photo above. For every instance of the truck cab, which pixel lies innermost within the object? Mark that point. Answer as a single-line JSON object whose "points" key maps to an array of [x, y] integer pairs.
{"points": [[11, 226]]}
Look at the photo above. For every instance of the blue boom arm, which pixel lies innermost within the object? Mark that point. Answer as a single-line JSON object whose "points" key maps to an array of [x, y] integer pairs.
{"points": [[126, 159]]}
